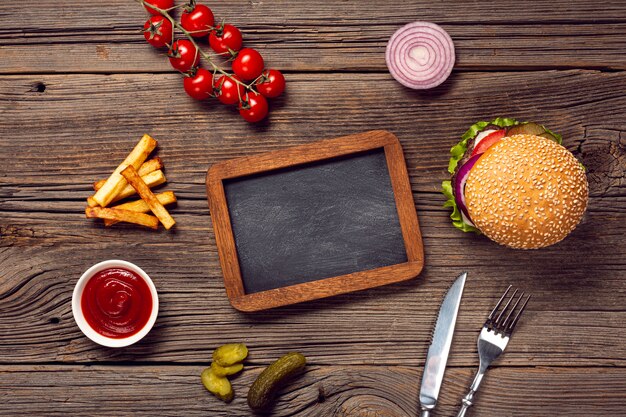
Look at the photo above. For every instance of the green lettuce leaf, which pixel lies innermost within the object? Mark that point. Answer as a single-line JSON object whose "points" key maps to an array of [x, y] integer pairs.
{"points": [[457, 219]]}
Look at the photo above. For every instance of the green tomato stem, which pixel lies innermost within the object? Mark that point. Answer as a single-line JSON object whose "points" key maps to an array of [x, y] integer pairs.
{"points": [[203, 54]]}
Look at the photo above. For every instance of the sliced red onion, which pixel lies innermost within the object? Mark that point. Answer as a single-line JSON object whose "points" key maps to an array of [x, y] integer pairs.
{"points": [[420, 55], [459, 187]]}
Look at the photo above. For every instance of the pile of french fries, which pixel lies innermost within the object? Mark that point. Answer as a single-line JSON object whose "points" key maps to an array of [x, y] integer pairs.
{"points": [[136, 175]]}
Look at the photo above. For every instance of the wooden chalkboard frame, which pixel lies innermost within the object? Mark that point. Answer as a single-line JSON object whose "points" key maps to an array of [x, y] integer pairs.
{"points": [[290, 157]]}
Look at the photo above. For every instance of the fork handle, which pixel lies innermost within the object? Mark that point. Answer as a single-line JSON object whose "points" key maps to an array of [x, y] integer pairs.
{"points": [[467, 400]]}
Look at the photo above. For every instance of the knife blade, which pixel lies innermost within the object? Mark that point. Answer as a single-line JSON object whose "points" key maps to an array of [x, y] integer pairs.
{"points": [[440, 346]]}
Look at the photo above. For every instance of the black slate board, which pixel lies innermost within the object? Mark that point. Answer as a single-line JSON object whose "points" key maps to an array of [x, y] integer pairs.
{"points": [[315, 221]]}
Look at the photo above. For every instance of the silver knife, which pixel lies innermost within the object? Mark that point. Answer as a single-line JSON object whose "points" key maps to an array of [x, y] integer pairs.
{"points": [[440, 346]]}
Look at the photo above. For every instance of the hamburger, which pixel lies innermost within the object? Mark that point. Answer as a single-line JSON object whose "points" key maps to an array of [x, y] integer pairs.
{"points": [[514, 182]]}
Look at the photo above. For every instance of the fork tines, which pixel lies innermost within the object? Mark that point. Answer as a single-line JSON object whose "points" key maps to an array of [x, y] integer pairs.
{"points": [[505, 325]]}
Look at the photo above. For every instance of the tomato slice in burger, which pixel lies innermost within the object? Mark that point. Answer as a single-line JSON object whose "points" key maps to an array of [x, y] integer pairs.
{"points": [[488, 141]]}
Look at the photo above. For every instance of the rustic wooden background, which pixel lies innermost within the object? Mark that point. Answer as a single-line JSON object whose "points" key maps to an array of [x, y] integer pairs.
{"points": [[79, 86]]}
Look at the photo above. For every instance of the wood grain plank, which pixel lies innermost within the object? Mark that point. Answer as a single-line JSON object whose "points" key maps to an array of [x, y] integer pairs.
{"points": [[300, 48], [321, 391], [317, 13], [69, 117], [88, 17], [55, 143], [574, 305], [323, 36]]}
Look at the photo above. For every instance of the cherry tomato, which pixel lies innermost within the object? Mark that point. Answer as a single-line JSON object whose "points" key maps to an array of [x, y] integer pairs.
{"points": [[488, 141], [158, 31], [161, 4], [199, 85], [248, 65], [271, 84], [226, 89], [198, 20], [253, 107], [225, 39], [183, 55]]}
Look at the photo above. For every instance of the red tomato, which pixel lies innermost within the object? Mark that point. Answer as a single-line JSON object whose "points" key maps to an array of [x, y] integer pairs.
{"points": [[158, 31], [488, 141], [200, 85], [225, 39], [161, 4], [271, 84], [198, 20], [253, 107], [183, 55], [249, 64], [227, 90]]}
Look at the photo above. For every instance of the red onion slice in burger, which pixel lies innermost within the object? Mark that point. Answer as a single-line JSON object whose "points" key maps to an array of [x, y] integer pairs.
{"points": [[420, 55], [459, 187]]}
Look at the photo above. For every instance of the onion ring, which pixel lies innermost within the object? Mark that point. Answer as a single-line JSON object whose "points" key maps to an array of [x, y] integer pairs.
{"points": [[420, 55], [459, 187]]}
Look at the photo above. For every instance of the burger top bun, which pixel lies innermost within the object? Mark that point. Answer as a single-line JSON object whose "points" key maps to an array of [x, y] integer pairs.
{"points": [[526, 192]]}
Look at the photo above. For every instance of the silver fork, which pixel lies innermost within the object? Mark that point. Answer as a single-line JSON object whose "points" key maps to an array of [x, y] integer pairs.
{"points": [[493, 339]]}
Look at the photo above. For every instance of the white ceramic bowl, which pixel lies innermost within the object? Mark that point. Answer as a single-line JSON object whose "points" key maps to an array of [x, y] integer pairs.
{"points": [[78, 311]]}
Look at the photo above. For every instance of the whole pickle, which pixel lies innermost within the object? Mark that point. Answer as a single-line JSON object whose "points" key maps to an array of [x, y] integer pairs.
{"points": [[266, 385]]}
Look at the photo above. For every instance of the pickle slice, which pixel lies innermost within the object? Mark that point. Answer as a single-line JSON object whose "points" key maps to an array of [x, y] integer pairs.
{"points": [[528, 128], [266, 385], [549, 136], [230, 354], [222, 371], [218, 386]]}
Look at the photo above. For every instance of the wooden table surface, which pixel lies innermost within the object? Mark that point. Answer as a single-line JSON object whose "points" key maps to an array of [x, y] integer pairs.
{"points": [[79, 86]]}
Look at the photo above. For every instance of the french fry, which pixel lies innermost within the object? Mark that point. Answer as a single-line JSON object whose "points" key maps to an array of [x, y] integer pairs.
{"points": [[116, 182], [152, 180], [122, 216], [130, 173], [140, 206], [145, 168]]}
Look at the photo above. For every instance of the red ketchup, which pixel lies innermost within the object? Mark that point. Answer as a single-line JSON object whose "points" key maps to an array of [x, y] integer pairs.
{"points": [[116, 303]]}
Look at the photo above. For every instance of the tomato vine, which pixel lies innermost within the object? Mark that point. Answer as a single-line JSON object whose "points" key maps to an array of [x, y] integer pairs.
{"points": [[249, 86]]}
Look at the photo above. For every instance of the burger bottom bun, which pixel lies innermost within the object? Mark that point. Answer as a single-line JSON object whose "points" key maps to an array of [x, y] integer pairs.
{"points": [[526, 192]]}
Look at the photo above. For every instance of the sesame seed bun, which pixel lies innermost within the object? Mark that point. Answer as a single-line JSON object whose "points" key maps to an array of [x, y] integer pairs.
{"points": [[526, 192]]}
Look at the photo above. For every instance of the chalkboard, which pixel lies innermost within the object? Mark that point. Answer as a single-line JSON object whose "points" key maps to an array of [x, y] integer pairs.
{"points": [[315, 220]]}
